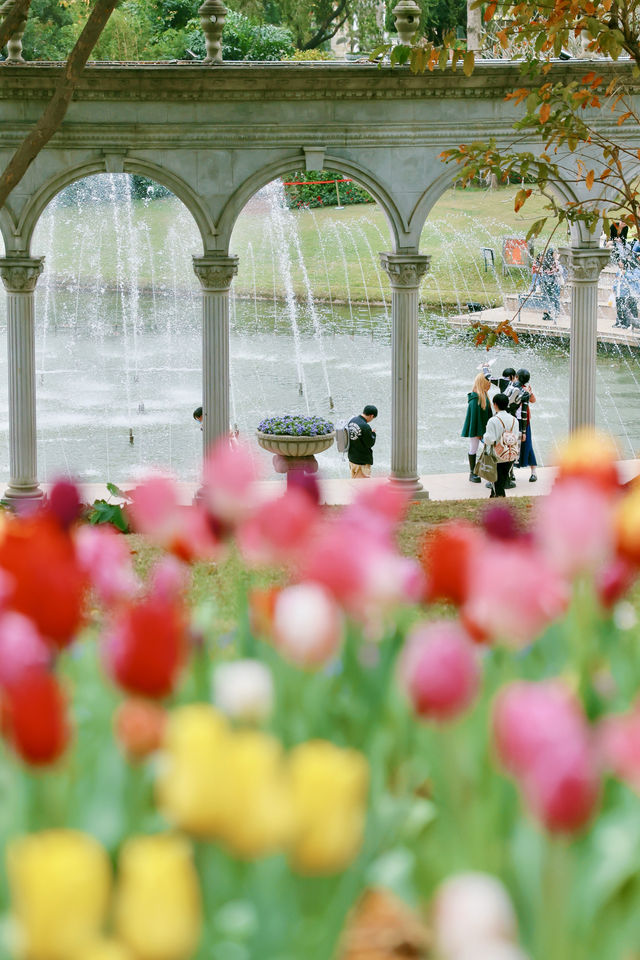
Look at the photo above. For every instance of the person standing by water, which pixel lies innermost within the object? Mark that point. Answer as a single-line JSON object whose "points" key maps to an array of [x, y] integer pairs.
{"points": [[502, 435], [475, 424], [523, 412], [361, 440]]}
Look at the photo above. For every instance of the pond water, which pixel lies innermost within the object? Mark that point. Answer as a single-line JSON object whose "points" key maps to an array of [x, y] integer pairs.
{"points": [[94, 397], [119, 346]]}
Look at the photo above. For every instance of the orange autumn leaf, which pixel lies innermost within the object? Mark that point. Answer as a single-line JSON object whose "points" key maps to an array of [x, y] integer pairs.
{"points": [[545, 112], [590, 177], [489, 12]]}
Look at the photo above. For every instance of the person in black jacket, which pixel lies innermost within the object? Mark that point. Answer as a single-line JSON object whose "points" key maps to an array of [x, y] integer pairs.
{"points": [[361, 441]]}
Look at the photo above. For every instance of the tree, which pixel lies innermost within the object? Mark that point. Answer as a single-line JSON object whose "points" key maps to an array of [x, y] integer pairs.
{"points": [[53, 114], [576, 149]]}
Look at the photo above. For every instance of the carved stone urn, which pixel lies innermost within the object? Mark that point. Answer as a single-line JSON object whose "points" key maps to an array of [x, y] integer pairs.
{"points": [[407, 18], [294, 452]]}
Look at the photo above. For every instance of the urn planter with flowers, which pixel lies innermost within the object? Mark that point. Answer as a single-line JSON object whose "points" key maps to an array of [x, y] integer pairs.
{"points": [[295, 440]]}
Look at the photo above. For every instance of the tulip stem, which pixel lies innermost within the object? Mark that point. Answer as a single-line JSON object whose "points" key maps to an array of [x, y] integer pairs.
{"points": [[556, 884]]}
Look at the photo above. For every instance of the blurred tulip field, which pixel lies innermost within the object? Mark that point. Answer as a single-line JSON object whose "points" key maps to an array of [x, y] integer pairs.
{"points": [[358, 755]]}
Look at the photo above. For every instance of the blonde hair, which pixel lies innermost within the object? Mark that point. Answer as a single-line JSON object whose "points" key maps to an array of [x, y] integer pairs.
{"points": [[481, 386]]}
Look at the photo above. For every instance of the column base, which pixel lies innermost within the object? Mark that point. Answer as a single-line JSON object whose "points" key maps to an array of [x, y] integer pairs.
{"points": [[16, 495], [411, 486]]}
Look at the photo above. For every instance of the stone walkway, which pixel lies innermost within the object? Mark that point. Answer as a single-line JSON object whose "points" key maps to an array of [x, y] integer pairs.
{"points": [[444, 486]]}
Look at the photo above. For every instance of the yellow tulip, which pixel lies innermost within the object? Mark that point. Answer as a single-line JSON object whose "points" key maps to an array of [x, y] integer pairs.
{"points": [[627, 525], [157, 909], [257, 804], [60, 881], [193, 769], [329, 788], [105, 949]]}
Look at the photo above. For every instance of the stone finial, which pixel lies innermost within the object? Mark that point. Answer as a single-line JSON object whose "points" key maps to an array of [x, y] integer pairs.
{"points": [[14, 46], [213, 13], [407, 15]]}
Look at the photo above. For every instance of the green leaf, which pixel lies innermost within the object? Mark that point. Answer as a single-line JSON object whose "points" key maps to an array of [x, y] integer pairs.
{"points": [[400, 54], [468, 63], [419, 59], [380, 52], [112, 513], [115, 491], [535, 228]]}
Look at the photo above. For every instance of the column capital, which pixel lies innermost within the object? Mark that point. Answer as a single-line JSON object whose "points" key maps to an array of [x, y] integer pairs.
{"points": [[584, 264], [405, 270], [20, 274], [215, 272]]}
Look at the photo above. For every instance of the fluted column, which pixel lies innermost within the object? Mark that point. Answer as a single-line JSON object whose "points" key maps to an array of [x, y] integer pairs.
{"points": [[215, 274], [20, 275], [405, 273], [584, 265]]}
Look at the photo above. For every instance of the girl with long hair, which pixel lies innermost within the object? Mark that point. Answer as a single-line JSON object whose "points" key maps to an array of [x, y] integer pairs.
{"points": [[475, 424]]}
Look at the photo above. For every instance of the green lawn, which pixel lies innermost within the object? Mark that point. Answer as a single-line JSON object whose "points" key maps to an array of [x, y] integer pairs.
{"points": [[153, 242]]}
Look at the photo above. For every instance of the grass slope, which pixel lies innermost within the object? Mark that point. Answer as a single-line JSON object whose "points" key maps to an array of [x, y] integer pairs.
{"points": [[152, 242]]}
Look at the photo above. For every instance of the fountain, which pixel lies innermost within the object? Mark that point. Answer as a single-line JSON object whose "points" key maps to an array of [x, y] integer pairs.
{"points": [[119, 346]]}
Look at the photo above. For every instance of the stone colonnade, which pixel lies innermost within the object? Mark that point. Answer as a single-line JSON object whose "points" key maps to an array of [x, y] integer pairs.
{"points": [[215, 272]]}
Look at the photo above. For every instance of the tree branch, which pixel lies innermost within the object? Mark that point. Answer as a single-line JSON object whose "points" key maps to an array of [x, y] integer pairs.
{"points": [[322, 34], [13, 20], [57, 107]]}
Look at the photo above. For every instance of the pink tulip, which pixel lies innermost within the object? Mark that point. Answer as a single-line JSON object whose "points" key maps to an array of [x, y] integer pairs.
{"points": [[228, 476], [104, 556], [574, 527], [307, 624], [378, 508], [513, 593], [529, 718], [364, 573], [440, 670], [619, 746], [279, 530], [169, 579], [157, 512], [562, 788], [21, 648], [614, 580]]}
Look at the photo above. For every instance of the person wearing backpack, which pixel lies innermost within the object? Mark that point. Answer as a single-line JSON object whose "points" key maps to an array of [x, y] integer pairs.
{"points": [[361, 440], [503, 435]]}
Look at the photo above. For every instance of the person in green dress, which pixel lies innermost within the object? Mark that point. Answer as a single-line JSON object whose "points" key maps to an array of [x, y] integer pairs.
{"points": [[475, 424]]}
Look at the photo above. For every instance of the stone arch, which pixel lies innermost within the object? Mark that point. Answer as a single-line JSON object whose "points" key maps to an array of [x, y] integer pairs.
{"points": [[6, 229], [52, 187], [238, 200]]}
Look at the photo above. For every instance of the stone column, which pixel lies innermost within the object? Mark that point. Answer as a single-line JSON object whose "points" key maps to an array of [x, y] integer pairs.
{"points": [[215, 273], [20, 275], [584, 264], [405, 272]]}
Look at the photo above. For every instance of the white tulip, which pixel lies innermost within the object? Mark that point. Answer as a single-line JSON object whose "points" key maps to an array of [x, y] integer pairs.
{"points": [[471, 910], [495, 950], [307, 624], [243, 690]]}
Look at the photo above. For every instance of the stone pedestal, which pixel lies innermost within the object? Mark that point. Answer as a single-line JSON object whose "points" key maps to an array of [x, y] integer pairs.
{"points": [[405, 272], [20, 275], [584, 265], [215, 273]]}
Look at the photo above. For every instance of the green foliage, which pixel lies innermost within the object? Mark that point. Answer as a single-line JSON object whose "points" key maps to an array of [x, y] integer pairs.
{"points": [[101, 511], [323, 194], [245, 39], [302, 55], [50, 32]]}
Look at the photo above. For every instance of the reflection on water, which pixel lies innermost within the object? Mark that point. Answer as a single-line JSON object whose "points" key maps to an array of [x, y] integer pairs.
{"points": [[90, 396]]}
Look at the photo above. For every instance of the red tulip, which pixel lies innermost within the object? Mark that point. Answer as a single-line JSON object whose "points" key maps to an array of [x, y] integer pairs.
{"points": [[146, 647], [447, 556], [440, 670], [619, 745], [47, 584], [65, 503], [35, 717]]}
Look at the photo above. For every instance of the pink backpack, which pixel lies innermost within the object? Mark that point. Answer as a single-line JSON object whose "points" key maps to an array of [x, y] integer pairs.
{"points": [[507, 448]]}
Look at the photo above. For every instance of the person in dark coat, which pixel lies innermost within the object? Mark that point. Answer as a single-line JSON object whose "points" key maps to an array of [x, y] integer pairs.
{"points": [[475, 424], [361, 440], [523, 413]]}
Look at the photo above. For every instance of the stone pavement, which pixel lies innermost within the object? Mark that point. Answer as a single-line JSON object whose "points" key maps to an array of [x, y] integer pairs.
{"points": [[444, 486]]}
